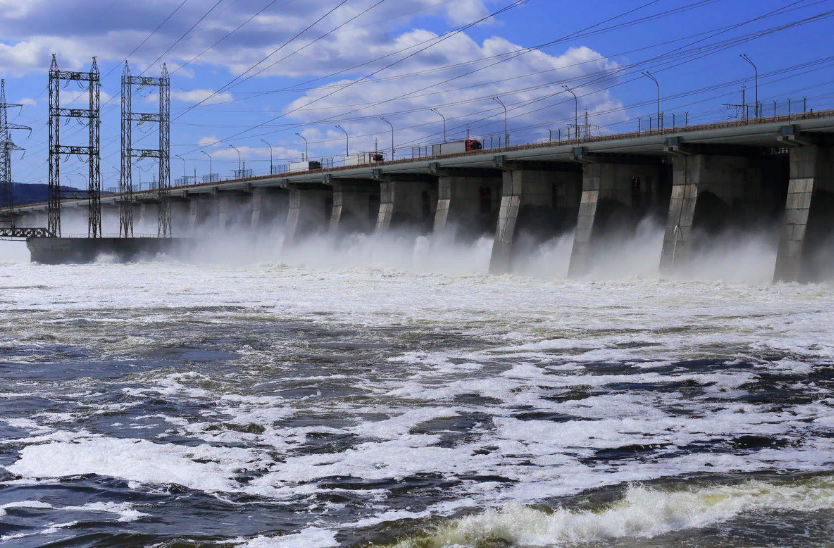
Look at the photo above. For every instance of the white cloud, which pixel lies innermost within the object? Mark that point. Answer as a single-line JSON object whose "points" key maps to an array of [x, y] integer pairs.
{"points": [[462, 12], [209, 141], [33, 29], [194, 96], [80, 98], [26, 101], [526, 83], [197, 95]]}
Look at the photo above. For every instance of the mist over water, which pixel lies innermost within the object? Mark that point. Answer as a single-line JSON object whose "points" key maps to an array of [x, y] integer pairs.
{"points": [[746, 256], [384, 390]]}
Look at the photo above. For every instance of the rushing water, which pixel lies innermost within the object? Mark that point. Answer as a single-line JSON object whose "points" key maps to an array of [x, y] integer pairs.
{"points": [[338, 399]]}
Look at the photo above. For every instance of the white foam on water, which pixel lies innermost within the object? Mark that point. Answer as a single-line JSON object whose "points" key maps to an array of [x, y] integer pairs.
{"points": [[134, 460], [12, 253], [124, 510], [311, 537], [51, 530], [526, 339], [642, 512], [24, 504]]}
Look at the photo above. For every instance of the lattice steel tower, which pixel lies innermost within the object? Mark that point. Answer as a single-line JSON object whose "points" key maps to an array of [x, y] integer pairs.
{"points": [[92, 151], [6, 148], [163, 153]]}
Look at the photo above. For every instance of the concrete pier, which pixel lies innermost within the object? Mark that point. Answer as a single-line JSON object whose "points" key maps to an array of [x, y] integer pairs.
{"points": [[355, 206], [233, 208], [310, 209], [468, 201], [180, 216], [713, 190], [617, 192], [809, 211], [406, 202], [540, 199], [201, 209], [269, 205], [147, 220]]}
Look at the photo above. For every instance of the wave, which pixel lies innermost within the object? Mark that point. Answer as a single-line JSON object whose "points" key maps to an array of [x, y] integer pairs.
{"points": [[642, 512]]}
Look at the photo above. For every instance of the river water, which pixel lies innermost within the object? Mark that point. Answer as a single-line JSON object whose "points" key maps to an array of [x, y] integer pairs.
{"points": [[393, 394]]}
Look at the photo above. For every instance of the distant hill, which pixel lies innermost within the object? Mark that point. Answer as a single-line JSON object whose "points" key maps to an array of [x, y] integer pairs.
{"points": [[31, 193]]}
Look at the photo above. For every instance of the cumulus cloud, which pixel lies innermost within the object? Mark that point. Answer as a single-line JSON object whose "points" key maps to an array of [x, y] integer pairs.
{"points": [[529, 84], [197, 95], [80, 98], [194, 96], [34, 29], [319, 60], [209, 141], [26, 101]]}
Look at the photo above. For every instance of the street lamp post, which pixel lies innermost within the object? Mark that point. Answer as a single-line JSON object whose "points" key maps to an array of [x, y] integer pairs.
{"points": [[347, 141], [506, 136], [270, 155], [392, 135], [444, 122], [746, 58], [184, 173], [210, 171], [649, 75], [306, 152], [575, 113], [239, 170]]}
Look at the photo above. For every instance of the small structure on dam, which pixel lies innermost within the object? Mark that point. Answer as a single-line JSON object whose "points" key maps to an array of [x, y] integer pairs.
{"points": [[46, 250]]}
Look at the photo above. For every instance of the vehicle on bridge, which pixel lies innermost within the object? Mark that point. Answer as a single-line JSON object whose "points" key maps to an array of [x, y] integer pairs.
{"points": [[304, 166], [364, 158], [456, 147]]}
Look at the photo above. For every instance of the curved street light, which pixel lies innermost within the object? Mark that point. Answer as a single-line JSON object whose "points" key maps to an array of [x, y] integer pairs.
{"points": [[184, 173], [392, 135], [270, 155], [444, 122], [239, 170], [210, 171], [649, 75], [506, 136], [347, 140], [575, 113], [746, 58], [306, 152]]}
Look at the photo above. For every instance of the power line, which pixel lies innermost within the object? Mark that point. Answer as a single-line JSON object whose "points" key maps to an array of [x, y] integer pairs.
{"points": [[282, 46]]}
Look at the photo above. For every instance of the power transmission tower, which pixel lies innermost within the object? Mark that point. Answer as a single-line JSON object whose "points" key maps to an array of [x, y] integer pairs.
{"points": [[92, 151], [6, 148], [163, 153]]}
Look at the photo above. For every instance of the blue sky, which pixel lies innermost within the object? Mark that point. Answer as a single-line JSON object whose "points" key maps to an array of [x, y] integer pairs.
{"points": [[337, 71]]}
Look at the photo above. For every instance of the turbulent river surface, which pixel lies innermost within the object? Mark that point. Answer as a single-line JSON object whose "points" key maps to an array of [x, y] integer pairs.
{"points": [[301, 403]]}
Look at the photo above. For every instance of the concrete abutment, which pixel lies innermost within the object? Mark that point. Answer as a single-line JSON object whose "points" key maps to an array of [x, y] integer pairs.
{"points": [[717, 193], [808, 221], [355, 206], [541, 201], [468, 202], [618, 191], [269, 205], [407, 202], [310, 210]]}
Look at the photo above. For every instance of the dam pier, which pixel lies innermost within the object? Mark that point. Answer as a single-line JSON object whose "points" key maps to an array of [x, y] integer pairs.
{"points": [[697, 181]]}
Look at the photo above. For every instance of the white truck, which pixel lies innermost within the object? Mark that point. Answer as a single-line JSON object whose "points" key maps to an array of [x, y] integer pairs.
{"points": [[304, 166], [363, 158], [455, 147]]}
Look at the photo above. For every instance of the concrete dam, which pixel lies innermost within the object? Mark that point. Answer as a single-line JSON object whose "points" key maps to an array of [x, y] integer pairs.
{"points": [[698, 181]]}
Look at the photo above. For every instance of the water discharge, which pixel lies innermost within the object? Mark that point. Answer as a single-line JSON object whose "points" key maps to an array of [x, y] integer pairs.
{"points": [[385, 391]]}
